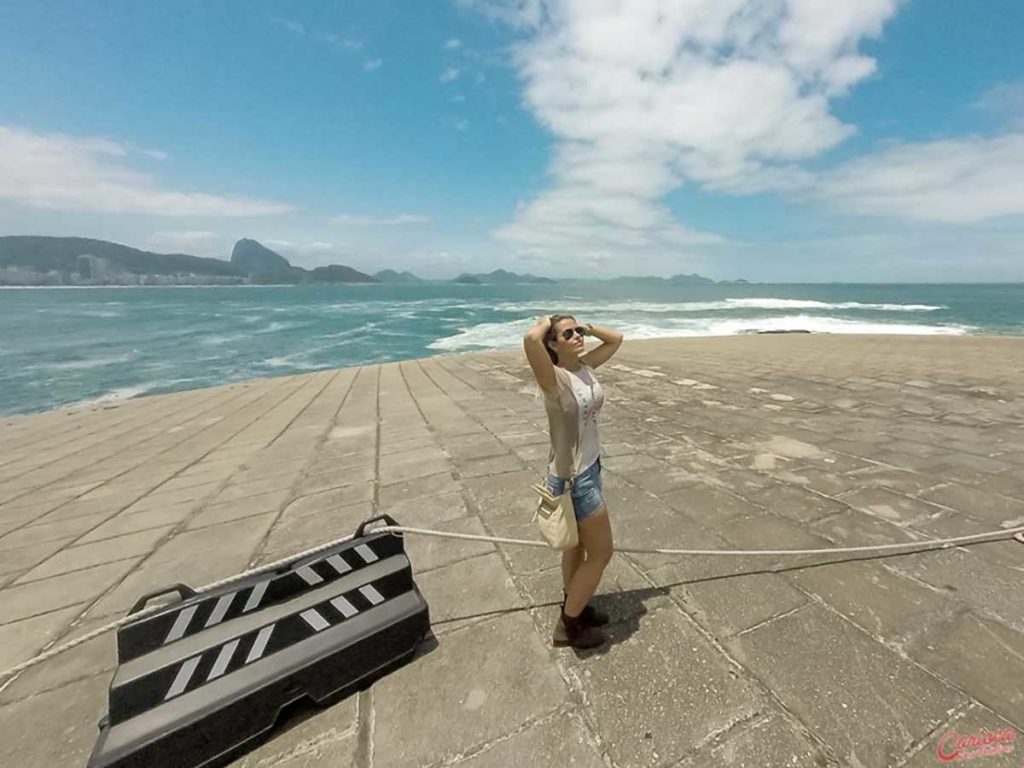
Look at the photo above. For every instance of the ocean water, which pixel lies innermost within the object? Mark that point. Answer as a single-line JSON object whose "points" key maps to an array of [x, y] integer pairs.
{"points": [[62, 346]]}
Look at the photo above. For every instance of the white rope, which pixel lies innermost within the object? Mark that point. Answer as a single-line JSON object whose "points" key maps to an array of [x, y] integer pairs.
{"points": [[929, 543], [1016, 533]]}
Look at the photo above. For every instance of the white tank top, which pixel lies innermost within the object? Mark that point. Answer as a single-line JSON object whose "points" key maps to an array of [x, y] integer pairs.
{"points": [[589, 397]]}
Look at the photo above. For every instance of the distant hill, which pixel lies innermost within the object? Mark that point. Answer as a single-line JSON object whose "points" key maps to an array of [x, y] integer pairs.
{"points": [[390, 276], [266, 266], [61, 254], [253, 257], [500, 277], [336, 273], [693, 279], [35, 260]]}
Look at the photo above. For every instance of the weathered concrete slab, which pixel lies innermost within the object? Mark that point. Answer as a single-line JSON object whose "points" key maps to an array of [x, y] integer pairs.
{"points": [[842, 685], [664, 690], [743, 442], [459, 699], [984, 657], [768, 742]]}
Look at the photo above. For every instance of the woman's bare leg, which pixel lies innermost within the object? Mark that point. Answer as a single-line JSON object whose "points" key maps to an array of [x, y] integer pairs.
{"points": [[572, 559], [596, 539]]}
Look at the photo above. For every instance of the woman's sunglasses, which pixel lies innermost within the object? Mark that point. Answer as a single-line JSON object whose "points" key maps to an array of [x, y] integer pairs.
{"points": [[568, 332]]}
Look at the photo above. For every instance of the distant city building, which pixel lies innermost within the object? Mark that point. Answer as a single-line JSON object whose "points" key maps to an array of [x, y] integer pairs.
{"points": [[91, 267]]}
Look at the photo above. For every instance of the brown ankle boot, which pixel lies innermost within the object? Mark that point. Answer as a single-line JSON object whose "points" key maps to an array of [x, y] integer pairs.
{"points": [[571, 631], [591, 616]]}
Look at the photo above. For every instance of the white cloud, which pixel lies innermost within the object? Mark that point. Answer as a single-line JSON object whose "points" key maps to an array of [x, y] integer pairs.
{"points": [[292, 26], [300, 248], [957, 180], [371, 64], [347, 44], [644, 96], [1005, 101], [54, 171], [401, 219], [450, 74], [452, 44]]}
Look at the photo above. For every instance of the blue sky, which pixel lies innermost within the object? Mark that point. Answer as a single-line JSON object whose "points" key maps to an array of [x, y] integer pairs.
{"points": [[863, 140]]}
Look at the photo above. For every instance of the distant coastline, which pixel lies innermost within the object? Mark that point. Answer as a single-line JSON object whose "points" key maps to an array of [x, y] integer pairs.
{"points": [[28, 261]]}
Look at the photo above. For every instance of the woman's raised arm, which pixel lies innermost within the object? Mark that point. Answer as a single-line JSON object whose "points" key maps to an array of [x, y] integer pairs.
{"points": [[540, 362]]}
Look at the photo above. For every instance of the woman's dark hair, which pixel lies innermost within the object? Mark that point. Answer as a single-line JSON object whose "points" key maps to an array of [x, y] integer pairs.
{"points": [[550, 336]]}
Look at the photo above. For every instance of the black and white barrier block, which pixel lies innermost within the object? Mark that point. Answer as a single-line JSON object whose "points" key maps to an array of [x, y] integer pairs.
{"points": [[207, 674]]}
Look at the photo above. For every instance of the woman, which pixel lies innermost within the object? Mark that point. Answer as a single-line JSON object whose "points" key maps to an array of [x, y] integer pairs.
{"points": [[573, 398]]}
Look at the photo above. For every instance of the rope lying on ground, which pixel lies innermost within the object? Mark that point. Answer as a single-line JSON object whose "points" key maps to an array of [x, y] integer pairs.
{"points": [[1015, 533]]}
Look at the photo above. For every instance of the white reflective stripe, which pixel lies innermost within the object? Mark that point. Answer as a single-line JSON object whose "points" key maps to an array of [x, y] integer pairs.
{"points": [[256, 596], [308, 575], [181, 624], [260, 645], [338, 563], [220, 609], [314, 619], [366, 553], [182, 678], [344, 607], [223, 659], [370, 593]]}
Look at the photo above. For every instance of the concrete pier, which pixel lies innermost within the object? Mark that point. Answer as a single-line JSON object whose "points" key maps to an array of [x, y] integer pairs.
{"points": [[745, 442]]}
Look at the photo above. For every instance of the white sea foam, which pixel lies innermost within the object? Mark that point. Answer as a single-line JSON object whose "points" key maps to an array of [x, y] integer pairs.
{"points": [[119, 394], [715, 306], [499, 335], [81, 365], [276, 326]]}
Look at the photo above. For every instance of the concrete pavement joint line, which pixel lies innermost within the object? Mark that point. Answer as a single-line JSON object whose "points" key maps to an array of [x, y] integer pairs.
{"points": [[184, 439], [183, 523], [74, 623], [107, 437], [151, 490], [364, 704], [485, 746], [772, 619], [977, 609], [952, 716], [18, 449], [375, 503], [99, 426], [121, 508], [794, 720], [817, 599], [304, 408], [363, 757], [721, 734], [262, 544]]}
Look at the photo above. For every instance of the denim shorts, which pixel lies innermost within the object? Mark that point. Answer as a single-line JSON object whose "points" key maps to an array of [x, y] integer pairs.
{"points": [[585, 492]]}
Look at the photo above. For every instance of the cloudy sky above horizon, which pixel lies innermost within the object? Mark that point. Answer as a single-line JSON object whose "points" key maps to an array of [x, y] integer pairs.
{"points": [[777, 140]]}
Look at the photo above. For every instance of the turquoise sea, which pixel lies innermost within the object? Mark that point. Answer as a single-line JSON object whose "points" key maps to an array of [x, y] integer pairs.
{"points": [[64, 346]]}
